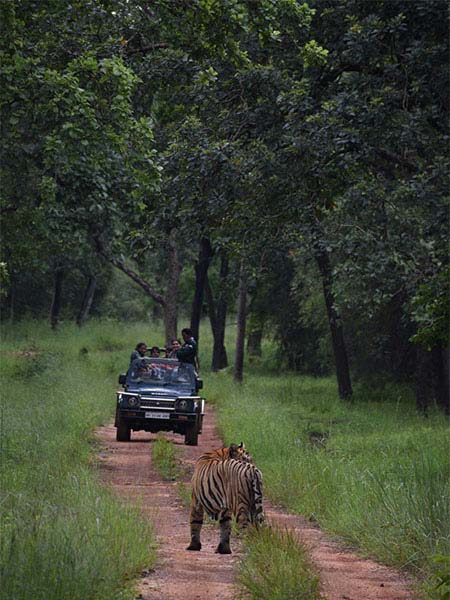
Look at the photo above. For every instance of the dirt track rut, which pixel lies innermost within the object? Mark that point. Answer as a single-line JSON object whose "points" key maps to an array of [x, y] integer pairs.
{"points": [[205, 575]]}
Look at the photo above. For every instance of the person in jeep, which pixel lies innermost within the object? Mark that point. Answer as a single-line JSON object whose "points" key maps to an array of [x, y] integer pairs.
{"points": [[175, 345], [139, 351]]}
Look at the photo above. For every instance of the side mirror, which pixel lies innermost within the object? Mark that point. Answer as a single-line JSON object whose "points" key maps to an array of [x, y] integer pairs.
{"points": [[199, 384], [122, 379]]}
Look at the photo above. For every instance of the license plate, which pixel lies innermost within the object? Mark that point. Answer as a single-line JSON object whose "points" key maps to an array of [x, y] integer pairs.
{"points": [[157, 415]]}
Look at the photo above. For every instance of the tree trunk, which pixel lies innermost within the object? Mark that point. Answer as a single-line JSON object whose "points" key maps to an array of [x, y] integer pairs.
{"points": [[87, 301], [218, 315], [241, 322], [170, 300], [201, 271], [55, 307], [255, 333], [219, 357], [423, 379], [336, 329], [209, 296], [446, 375], [398, 356], [254, 343], [12, 299], [256, 318], [440, 378]]}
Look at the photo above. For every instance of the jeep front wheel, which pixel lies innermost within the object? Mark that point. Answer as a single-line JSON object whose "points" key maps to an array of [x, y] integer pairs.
{"points": [[191, 435], [123, 433]]}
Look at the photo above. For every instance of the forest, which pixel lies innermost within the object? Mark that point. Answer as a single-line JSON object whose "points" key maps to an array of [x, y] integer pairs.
{"points": [[281, 163], [272, 174]]}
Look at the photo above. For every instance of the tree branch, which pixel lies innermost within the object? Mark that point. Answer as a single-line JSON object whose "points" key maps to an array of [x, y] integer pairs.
{"points": [[131, 274]]}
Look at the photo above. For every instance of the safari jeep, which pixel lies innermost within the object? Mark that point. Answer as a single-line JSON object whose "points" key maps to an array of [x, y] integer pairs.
{"points": [[160, 394]]}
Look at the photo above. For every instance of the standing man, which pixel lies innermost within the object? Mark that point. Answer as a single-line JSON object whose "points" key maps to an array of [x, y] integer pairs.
{"points": [[188, 351]]}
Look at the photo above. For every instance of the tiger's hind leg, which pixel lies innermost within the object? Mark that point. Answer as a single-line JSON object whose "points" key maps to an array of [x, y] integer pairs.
{"points": [[225, 531], [196, 522], [242, 520]]}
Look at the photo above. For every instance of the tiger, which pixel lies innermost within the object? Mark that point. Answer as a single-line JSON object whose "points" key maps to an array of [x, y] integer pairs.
{"points": [[225, 483]]}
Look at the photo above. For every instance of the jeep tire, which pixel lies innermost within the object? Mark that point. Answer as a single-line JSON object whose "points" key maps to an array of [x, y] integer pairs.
{"points": [[123, 433], [191, 435]]}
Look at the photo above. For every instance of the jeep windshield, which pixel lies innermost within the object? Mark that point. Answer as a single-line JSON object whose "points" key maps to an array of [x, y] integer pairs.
{"points": [[161, 372]]}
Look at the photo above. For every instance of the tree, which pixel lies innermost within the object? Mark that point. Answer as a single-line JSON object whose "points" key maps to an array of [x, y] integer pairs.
{"points": [[69, 123]]}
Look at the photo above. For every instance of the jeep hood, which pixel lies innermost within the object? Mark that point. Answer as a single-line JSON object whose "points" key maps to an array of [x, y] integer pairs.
{"points": [[161, 392]]}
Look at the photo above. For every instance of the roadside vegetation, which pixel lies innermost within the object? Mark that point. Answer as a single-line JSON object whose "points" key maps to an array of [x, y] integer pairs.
{"points": [[281, 165], [372, 472], [164, 459], [276, 567], [63, 535]]}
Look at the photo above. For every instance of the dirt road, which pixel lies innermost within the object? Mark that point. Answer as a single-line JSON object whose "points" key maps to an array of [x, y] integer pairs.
{"points": [[205, 575]]}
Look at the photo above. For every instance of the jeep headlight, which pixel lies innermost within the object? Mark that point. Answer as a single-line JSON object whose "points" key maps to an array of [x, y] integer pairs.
{"points": [[185, 405], [132, 401]]}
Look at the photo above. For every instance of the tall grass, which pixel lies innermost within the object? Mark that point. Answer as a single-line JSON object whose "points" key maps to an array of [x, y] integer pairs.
{"points": [[372, 472], [276, 567], [63, 536], [164, 458]]}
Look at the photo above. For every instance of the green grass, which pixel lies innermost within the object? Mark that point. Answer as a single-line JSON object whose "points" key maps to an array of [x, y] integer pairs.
{"points": [[184, 493], [373, 472], [276, 567], [164, 459], [63, 535]]}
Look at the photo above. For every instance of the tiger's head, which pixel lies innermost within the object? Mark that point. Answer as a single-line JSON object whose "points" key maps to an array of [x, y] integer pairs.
{"points": [[239, 452]]}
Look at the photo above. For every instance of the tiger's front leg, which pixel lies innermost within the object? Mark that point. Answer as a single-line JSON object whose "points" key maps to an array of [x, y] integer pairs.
{"points": [[196, 522], [225, 531]]}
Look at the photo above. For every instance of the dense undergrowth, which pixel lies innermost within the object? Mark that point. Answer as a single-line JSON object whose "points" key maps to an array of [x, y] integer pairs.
{"points": [[63, 535], [372, 472]]}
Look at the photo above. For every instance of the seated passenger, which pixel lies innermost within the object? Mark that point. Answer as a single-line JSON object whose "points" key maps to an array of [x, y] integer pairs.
{"points": [[148, 370], [154, 351], [139, 351], [175, 346]]}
